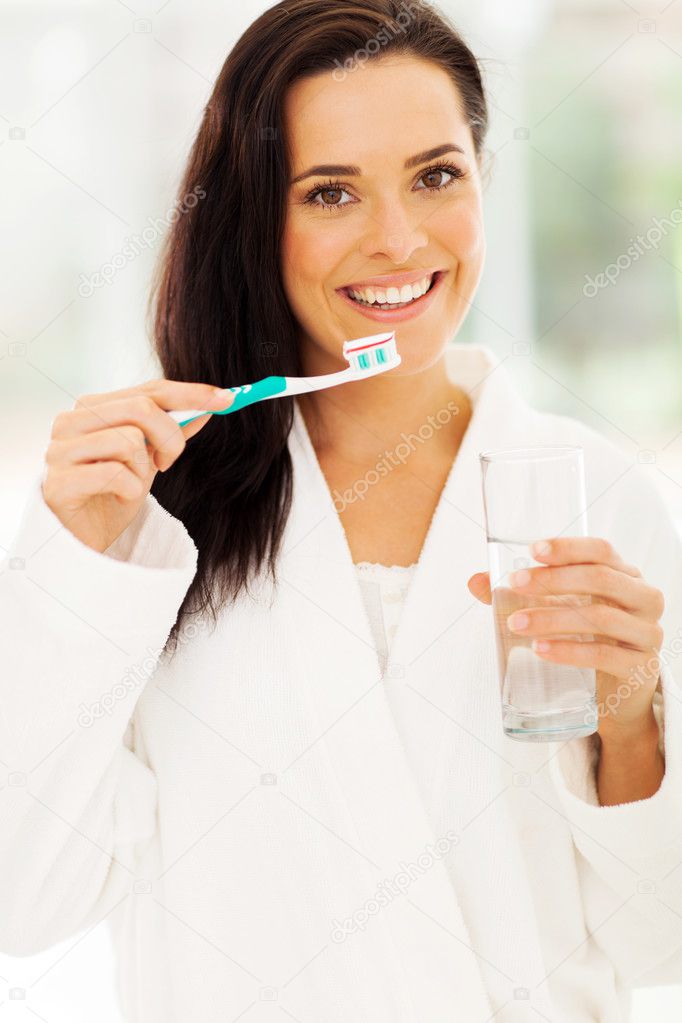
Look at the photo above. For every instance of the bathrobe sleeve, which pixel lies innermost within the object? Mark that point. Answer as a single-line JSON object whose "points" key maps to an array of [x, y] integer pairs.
{"points": [[629, 856], [82, 633]]}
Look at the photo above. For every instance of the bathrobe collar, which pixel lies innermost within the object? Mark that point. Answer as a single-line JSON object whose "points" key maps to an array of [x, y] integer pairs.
{"points": [[500, 418], [346, 694]]}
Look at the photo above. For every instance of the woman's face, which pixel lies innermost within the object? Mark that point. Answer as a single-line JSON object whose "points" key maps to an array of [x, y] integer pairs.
{"points": [[385, 219]]}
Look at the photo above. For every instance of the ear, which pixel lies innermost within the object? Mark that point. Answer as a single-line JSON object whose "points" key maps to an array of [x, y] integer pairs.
{"points": [[479, 587]]}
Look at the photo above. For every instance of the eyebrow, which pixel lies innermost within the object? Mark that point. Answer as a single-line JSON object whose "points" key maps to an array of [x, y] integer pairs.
{"points": [[350, 171]]}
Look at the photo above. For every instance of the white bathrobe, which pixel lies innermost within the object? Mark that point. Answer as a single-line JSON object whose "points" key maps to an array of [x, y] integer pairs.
{"points": [[264, 818]]}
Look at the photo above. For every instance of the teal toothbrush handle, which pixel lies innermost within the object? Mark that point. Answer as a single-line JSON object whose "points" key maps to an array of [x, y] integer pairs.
{"points": [[247, 394]]}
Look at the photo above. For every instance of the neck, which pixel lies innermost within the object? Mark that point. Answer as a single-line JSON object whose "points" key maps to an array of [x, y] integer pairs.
{"points": [[355, 421]]}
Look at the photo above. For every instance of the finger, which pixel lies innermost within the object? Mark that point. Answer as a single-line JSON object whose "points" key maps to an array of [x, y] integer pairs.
{"points": [[508, 600], [593, 619], [125, 444], [614, 660], [479, 587], [161, 431], [78, 483], [596, 580], [572, 550], [143, 410], [195, 425], [168, 394]]}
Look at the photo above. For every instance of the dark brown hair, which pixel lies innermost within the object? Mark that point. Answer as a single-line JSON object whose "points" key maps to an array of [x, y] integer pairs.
{"points": [[218, 307]]}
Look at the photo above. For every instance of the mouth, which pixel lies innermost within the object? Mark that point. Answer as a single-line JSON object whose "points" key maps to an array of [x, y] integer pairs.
{"points": [[393, 305], [392, 298]]}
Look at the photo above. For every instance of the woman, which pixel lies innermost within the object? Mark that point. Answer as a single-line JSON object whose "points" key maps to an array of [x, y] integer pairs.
{"points": [[271, 797]]}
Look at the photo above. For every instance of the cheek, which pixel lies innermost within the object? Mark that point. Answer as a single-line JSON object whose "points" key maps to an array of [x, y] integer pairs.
{"points": [[462, 233], [309, 254]]}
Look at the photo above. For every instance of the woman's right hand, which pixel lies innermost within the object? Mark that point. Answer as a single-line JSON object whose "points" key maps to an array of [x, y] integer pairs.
{"points": [[98, 469]]}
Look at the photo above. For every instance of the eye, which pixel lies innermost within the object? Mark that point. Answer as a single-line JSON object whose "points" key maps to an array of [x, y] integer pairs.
{"points": [[329, 186], [454, 173], [336, 187]]}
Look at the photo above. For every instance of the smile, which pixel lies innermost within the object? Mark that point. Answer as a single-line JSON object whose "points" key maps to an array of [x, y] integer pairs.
{"points": [[394, 303]]}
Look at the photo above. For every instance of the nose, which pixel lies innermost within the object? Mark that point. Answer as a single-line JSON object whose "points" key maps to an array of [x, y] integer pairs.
{"points": [[394, 232]]}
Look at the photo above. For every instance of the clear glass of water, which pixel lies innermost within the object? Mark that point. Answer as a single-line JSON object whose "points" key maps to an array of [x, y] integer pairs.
{"points": [[534, 494]]}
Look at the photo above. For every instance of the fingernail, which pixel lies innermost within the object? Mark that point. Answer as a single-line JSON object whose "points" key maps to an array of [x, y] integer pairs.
{"points": [[542, 646], [541, 547], [519, 578], [518, 620], [224, 396]]}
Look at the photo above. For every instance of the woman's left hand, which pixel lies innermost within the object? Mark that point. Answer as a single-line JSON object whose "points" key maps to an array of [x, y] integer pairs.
{"points": [[623, 617]]}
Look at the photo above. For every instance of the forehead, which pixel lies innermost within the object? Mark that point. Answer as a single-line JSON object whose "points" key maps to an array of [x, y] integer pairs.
{"points": [[379, 112]]}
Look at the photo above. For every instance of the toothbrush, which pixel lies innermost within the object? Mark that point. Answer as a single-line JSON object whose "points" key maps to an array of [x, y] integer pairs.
{"points": [[367, 357]]}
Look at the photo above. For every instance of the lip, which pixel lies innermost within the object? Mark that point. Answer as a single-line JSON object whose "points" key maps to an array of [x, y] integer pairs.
{"points": [[391, 280], [398, 315]]}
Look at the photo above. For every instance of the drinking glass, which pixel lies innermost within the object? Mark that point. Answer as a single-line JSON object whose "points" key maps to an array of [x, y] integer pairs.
{"points": [[531, 494]]}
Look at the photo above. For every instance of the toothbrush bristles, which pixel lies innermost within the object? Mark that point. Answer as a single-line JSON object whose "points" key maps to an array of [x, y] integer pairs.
{"points": [[372, 354]]}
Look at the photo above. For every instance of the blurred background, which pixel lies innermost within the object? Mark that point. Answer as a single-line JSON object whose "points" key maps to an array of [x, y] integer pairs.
{"points": [[581, 296]]}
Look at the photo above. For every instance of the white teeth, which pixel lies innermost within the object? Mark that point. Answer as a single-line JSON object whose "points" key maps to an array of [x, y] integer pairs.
{"points": [[392, 296]]}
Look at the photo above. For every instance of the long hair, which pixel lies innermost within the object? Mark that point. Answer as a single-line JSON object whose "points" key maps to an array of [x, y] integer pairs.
{"points": [[218, 309]]}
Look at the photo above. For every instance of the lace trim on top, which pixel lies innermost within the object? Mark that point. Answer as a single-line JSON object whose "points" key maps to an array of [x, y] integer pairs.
{"points": [[366, 565]]}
